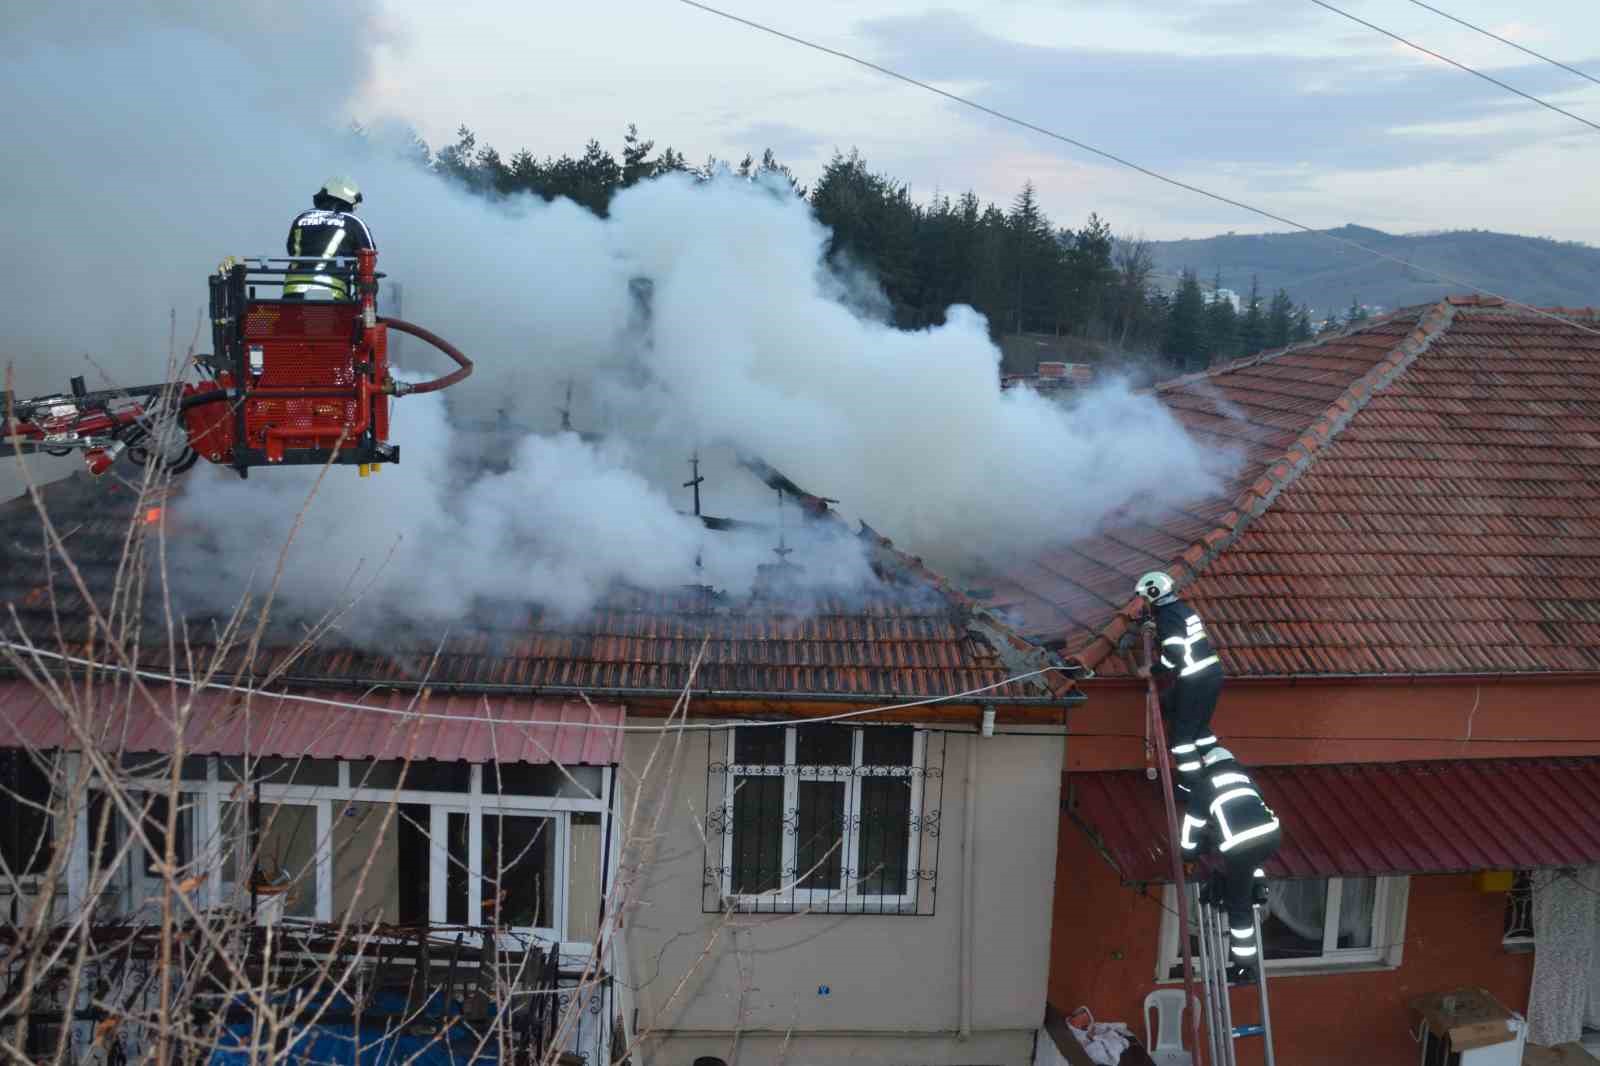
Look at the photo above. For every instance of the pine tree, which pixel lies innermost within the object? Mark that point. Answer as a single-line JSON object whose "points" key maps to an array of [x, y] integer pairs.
{"points": [[1185, 338], [1334, 323], [1222, 328], [1302, 330], [636, 162], [1034, 254], [1357, 314], [1280, 320], [1253, 323]]}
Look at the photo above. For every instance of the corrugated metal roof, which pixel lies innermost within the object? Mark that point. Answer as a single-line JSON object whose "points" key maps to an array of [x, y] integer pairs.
{"points": [[1419, 497], [455, 728], [1374, 819]]}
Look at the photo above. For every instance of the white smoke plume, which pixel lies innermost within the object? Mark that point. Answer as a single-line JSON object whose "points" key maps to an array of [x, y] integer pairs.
{"points": [[171, 137]]}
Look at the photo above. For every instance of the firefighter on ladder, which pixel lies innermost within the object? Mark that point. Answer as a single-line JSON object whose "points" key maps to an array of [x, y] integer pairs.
{"points": [[1226, 812], [329, 229], [1183, 654]]}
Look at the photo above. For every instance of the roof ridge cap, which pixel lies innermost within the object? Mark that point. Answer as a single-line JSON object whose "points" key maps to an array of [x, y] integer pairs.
{"points": [[1280, 474]]}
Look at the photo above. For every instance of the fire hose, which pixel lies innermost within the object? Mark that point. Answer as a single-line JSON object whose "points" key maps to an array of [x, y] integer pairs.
{"points": [[438, 342]]}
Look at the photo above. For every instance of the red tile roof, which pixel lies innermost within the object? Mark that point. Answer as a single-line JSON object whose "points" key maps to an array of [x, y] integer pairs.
{"points": [[906, 638], [1374, 819], [1421, 496], [506, 729]]}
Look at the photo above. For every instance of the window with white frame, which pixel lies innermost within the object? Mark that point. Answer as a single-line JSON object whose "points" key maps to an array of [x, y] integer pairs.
{"points": [[827, 818], [426, 843], [1314, 923]]}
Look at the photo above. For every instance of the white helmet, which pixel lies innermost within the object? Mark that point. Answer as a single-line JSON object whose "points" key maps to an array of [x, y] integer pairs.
{"points": [[1154, 586], [342, 189]]}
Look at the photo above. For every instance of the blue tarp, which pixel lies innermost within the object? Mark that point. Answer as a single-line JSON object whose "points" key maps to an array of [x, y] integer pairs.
{"points": [[336, 1045]]}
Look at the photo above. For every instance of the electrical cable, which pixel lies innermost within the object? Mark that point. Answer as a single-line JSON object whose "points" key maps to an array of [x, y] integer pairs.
{"points": [[1491, 79], [1507, 41], [1177, 183], [687, 727]]}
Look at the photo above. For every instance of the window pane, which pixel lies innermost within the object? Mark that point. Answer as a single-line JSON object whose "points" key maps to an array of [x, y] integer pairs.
{"points": [[523, 779], [423, 775], [455, 876], [758, 747], [148, 764], [411, 821], [287, 857], [757, 834], [583, 877], [887, 745], [823, 745], [819, 826], [1358, 896], [25, 836], [519, 871], [273, 771], [1296, 914], [367, 877], [885, 835]]}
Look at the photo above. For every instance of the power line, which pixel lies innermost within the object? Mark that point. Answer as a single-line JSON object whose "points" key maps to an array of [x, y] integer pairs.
{"points": [[1508, 41], [1459, 66], [699, 727], [1131, 165]]}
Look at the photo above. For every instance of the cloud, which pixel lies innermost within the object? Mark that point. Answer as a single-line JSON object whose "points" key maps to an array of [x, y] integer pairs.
{"points": [[1171, 110]]}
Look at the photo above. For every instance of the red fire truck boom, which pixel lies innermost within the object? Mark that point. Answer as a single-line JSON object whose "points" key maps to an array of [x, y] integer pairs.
{"points": [[289, 382]]}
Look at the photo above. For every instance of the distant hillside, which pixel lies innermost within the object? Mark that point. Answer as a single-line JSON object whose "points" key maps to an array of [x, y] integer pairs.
{"points": [[1326, 275]]}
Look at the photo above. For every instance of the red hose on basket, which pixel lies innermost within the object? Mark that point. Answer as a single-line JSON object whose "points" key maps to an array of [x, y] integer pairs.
{"points": [[440, 343]]}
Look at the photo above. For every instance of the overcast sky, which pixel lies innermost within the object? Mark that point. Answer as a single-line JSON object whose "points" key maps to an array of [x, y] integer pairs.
{"points": [[1278, 102]]}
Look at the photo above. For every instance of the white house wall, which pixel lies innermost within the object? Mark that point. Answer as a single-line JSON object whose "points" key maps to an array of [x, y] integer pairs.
{"points": [[893, 983]]}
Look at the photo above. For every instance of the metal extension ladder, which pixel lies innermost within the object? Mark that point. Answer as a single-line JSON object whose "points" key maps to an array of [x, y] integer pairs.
{"points": [[1220, 1028], [1213, 937]]}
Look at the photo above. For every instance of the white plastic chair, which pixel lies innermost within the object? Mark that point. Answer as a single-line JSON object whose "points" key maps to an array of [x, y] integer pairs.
{"points": [[1167, 1048]]}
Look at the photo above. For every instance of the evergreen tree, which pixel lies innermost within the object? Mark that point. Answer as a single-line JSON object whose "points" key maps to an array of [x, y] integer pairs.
{"points": [[1222, 328], [1334, 323], [636, 162], [1357, 314], [1280, 320], [1033, 256], [1253, 323], [1302, 330], [1185, 338]]}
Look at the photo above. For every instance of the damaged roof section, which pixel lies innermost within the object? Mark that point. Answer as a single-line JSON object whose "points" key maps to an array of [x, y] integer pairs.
{"points": [[909, 636]]}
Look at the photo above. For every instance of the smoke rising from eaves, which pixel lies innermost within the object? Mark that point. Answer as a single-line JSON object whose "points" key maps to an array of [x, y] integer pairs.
{"points": [[171, 137]]}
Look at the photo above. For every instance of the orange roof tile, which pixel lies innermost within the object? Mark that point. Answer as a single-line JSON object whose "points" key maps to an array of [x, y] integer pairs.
{"points": [[1421, 496], [908, 637]]}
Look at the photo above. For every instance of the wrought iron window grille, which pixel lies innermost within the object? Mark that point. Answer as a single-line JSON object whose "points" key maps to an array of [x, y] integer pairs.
{"points": [[825, 819]]}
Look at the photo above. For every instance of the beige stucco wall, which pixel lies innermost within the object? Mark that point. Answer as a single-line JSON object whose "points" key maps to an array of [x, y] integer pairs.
{"points": [[894, 981]]}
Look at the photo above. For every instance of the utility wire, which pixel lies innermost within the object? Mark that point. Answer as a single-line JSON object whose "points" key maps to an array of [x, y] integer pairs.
{"points": [[1176, 183], [1508, 41], [23, 651], [1492, 80]]}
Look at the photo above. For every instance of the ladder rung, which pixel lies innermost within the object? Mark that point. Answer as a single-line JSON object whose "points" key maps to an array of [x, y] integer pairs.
{"points": [[1248, 1030]]}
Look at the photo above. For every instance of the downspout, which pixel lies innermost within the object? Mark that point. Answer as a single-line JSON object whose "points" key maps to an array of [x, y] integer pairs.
{"points": [[969, 866]]}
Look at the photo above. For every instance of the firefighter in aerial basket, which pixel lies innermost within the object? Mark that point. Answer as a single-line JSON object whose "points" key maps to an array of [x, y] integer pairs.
{"points": [[1228, 814], [1185, 656], [329, 230]]}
